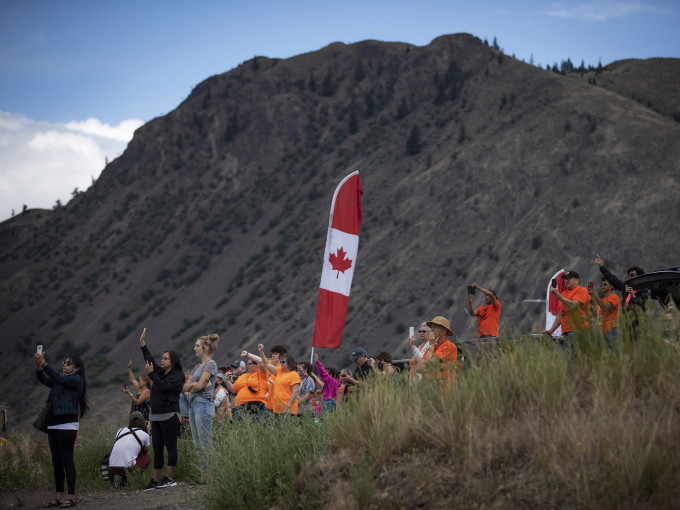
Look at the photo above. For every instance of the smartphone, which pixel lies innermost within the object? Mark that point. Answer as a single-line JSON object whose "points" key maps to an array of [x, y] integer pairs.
{"points": [[554, 283], [39, 349], [411, 331], [590, 285], [471, 290]]}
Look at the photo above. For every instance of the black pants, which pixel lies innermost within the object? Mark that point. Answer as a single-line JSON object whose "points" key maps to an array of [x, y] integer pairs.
{"points": [[165, 434], [61, 448]]}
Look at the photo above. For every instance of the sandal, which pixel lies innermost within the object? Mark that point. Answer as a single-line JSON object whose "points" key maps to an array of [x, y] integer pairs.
{"points": [[68, 503], [55, 503]]}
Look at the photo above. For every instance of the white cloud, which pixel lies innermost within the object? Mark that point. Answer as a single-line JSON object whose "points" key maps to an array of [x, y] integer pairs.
{"points": [[42, 162], [122, 132], [598, 10]]}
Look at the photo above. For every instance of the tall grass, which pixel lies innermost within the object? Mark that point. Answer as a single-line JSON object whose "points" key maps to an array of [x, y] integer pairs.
{"points": [[595, 427], [26, 463], [256, 463]]}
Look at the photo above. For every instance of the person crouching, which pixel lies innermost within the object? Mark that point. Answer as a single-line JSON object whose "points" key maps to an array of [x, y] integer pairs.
{"points": [[130, 450]]}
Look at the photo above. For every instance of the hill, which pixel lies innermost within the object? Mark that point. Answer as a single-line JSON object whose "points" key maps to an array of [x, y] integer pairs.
{"points": [[475, 166]]}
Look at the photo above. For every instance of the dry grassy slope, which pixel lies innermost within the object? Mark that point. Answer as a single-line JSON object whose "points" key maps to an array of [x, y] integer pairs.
{"points": [[652, 82], [202, 227]]}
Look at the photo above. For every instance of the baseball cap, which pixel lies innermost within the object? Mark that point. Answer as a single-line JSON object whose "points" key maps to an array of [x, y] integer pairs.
{"points": [[238, 363], [570, 274], [356, 353]]}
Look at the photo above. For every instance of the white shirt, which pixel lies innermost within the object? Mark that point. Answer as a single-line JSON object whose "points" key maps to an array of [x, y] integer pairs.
{"points": [[126, 449]]}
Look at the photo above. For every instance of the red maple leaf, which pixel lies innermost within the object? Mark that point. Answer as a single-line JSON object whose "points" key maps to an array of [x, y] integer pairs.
{"points": [[339, 262]]}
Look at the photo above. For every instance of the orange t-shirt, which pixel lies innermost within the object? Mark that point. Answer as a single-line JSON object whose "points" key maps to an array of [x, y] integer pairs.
{"points": [[270, 390], [489, 316], [256, 381], [283, 389], [448, 355], [580, 321], [607, 321]]}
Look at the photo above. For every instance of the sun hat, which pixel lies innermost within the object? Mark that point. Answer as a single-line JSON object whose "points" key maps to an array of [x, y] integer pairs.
{"points": [[443, 322]]}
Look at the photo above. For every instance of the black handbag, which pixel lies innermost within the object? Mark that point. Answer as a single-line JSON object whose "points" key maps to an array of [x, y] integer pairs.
{"points": [[40, 421]]}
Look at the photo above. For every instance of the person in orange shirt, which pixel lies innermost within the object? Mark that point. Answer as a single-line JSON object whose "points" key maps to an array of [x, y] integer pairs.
{"points": [[574, 306], [250, 389], [442, 353], [286, 384], [489, 314], [277, 351], [607, 311]]}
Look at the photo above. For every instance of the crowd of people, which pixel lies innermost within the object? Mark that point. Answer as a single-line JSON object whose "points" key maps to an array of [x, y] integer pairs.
{"points": [[167, 400]]}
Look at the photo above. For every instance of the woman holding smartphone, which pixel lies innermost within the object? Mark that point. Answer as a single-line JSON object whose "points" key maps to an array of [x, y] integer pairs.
{"points": [[140, 401], [167, 381], [67, 402]]}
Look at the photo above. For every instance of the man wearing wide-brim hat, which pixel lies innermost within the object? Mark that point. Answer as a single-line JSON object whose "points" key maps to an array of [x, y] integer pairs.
{"points": [[442, 353]]}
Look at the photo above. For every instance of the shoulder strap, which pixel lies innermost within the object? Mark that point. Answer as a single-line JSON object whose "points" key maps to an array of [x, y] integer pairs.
{"points": [[130, 431], [122, 435]]}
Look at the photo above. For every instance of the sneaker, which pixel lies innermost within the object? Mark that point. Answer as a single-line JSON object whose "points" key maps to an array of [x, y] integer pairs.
{"points": [[166, 482], [153, 484], [117, 481]]}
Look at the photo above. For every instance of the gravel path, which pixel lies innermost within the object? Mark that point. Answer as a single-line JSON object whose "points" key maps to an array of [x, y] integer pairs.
{"points": [[184, 496]]}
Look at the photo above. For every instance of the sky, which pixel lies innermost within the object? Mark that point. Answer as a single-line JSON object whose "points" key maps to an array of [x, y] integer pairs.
{"points": [[78, 77]]}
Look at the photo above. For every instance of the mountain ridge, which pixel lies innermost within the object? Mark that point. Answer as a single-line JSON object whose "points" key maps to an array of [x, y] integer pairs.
{"points": [[214, 218]]}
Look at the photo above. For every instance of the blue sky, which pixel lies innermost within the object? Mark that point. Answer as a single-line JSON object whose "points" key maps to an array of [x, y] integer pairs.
{"points": [[77, 77]]}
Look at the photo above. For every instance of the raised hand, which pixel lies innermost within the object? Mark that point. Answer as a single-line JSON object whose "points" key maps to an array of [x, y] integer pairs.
{"points": [[142, 343]]}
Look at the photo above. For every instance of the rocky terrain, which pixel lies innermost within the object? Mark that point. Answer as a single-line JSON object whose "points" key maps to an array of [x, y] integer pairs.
{"points": [[476, 167]]}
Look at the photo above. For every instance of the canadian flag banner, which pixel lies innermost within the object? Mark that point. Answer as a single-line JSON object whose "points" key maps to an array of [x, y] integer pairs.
{"points": [[552, 303], [339, 262]]}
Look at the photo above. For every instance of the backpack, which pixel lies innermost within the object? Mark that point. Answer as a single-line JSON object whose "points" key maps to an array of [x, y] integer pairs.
{"points": [[104, 463]]}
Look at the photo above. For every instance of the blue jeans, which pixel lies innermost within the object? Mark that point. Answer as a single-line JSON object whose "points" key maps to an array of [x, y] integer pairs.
{"points": [[249, 410], [201, 417], [184, 406], [610, 337]]}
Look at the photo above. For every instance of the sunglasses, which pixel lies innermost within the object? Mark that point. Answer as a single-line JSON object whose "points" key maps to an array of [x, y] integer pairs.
{"points": [[422, 331], [165, 358], [282, 362], [68, 363], [632, 275]]}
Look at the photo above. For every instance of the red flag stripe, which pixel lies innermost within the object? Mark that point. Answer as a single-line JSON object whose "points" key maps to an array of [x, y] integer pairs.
{"points": [[330, 319], [346, 206]]}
